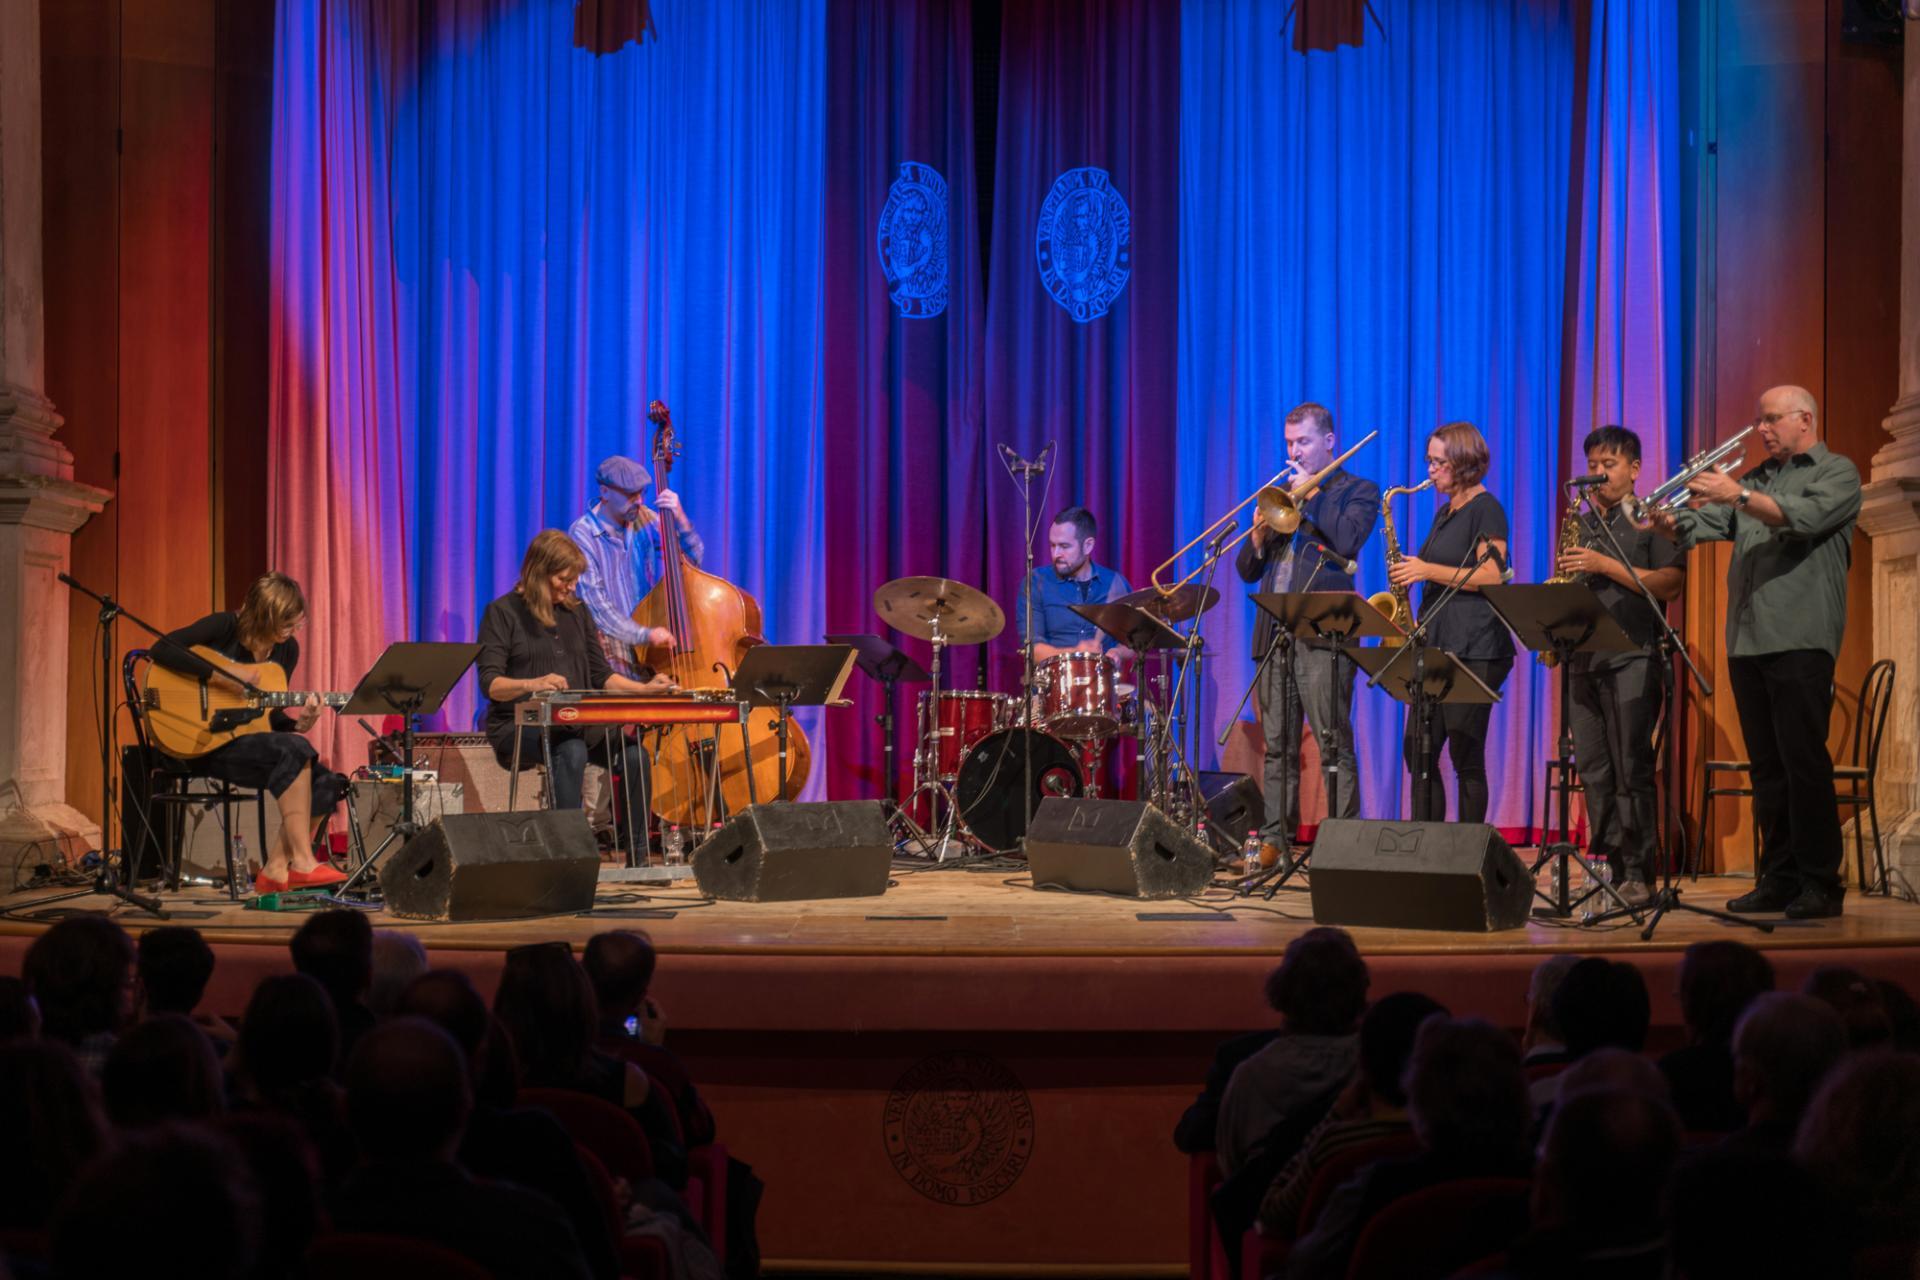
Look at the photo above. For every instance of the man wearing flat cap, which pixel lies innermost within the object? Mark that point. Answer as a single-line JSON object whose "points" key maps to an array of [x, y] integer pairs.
{"points": [[621, 538]]}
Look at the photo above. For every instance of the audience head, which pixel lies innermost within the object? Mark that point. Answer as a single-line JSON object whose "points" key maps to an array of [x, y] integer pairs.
{"points": [[1602, 1003], [182, 1185], [1320, 987], [81, 973], [335, 949], [289, 1037], [162, 1069], [1858, 1001], [1720, 1193], [1782, 1047], [19, 1011], [398, 958], [53, 1124], [620, 964], [546, 1004], [1861, 1138], [1718, 980], [1466, 1094], [1542, 1028], [1903, 1014], [175, 965], [407, 1092], [286, 1174], [1386, 1042], [1612, 1071], [447, 998], [1604, 1162]]}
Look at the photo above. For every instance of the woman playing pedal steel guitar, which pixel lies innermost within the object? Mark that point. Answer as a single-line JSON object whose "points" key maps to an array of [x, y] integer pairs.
{"points": [[537, 637], [281, 762]]}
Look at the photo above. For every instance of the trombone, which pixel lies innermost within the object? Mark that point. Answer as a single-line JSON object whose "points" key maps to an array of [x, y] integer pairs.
{"points": [[1275, 508]]}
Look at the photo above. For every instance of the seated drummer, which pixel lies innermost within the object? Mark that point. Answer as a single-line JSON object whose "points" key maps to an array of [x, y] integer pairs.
{"points": [[539, 636], [1073, 578], [279, 761]]}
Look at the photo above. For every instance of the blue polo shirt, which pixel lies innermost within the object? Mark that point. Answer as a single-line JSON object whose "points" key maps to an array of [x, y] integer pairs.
{"points": [[1055, 596]]}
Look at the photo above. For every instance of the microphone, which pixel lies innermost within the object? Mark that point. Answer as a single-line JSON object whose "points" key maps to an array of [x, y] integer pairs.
{"points": [[1331, 558], [1586, 482], [1213, 548], [1006, 451]]}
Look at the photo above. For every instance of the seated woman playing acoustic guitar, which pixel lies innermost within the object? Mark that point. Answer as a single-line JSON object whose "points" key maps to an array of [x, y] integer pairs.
{"points": [[280, 761]]}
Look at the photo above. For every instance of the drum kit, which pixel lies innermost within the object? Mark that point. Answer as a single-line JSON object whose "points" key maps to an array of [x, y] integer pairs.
{"points": [[984, 760]]}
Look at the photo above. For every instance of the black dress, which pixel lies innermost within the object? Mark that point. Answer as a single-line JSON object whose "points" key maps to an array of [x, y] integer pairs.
{"points": [[268, 761]]}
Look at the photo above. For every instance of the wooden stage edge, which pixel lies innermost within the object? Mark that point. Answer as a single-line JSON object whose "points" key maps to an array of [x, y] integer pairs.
{"points": [[988, 1075]]}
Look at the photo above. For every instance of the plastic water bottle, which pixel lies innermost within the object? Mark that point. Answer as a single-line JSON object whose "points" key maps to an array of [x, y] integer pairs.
{"points": [[673, 845], [239, 854], [1250, 854]]}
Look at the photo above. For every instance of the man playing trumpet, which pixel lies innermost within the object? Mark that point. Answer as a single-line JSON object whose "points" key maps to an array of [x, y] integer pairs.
{"points": [[1790, 520]]}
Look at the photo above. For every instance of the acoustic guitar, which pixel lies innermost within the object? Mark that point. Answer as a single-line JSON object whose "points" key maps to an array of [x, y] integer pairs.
{"points": [[188, 716]]}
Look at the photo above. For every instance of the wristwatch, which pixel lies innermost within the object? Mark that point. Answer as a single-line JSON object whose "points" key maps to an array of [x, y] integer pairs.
{"points": [[1745, 496]]}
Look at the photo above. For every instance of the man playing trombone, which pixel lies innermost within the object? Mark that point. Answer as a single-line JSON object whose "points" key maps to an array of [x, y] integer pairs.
{"points": [[1336, 521], [1790, 520]]}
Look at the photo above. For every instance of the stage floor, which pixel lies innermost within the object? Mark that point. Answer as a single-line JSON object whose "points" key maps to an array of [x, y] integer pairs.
{"points": [[969, 1076]]}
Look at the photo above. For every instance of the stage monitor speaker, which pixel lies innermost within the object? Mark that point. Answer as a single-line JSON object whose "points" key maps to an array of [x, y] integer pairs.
{"points": [[494, 866], [1126, 847], [1417, 875], [1235, 808], [793, 851]]}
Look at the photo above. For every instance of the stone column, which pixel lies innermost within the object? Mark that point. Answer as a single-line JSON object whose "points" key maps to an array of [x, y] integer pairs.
{"points": [[1890, 513], [40, 505]]}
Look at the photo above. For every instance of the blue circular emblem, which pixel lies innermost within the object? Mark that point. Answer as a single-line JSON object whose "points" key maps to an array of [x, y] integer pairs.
{"points": [[913, 241], [1082, 243]]}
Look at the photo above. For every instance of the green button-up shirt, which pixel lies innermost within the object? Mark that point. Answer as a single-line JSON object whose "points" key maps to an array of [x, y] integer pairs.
{"points": [[1787, 587]]}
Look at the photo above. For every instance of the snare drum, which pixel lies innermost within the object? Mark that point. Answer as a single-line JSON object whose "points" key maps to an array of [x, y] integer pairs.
{"points": [[1077, 695], [963, 717]]}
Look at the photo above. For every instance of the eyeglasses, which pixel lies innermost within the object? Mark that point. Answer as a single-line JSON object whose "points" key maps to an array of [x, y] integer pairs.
{"points": [[1438, 464], [1773, 419]]}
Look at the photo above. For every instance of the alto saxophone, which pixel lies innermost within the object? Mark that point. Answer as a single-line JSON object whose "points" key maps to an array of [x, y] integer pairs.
{"points": [[1572, 536], [1395, 602]]}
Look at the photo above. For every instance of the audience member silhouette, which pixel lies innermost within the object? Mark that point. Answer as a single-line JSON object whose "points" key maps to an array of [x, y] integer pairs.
{"points": [[1782, 1048], [289, 1044], [1860, 1137], [54, 1126], [1718, 980], [173, 1201], [335, 949], [408, 1099], [162, 1069], [81, 973], [397, 959]]}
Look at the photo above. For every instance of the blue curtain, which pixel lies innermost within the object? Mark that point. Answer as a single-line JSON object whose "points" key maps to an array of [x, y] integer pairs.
{"points": [[1383, 229], [572, 235]]}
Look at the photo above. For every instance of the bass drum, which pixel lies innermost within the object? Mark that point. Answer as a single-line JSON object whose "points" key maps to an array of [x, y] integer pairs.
{"points": [[991, 777]]}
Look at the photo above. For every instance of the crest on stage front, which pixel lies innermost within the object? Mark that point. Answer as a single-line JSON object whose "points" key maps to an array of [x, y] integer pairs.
{"points": [[1083, 243], [913, 241]]}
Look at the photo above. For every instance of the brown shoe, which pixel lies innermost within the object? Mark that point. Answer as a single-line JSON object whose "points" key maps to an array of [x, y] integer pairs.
{"points": [[1270, 856]]}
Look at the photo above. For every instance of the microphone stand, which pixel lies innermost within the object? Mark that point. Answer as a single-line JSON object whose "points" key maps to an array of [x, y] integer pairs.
{"points": [[1168, 746], [1667, 897], [1023, 471]]}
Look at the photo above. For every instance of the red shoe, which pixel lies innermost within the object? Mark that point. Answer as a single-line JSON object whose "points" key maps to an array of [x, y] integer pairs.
{"points": [[264, 884], [320, 875]]}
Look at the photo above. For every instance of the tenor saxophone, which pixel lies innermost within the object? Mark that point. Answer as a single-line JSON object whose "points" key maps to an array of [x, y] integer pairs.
{"points": [[1572, 536], [1395, 602]]}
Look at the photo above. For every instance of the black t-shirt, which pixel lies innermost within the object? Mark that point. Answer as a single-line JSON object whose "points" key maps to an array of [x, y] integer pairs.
{"points": [[221, 632], [517, 645], [1467, 626], [1645, 550]]}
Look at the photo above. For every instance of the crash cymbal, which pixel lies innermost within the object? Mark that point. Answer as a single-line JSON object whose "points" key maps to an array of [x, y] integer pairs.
{"points": [[966, 615], [1177, 605]]}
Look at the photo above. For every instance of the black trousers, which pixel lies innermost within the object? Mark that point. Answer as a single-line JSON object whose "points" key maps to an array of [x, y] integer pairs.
{"points": [[1462, 729], [1614, 710], [1785, 702]]}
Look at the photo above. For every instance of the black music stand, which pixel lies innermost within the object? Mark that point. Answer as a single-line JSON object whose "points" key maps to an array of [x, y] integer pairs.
{"points": [[1433, 678], [1562, 618], [889, 666], [412, 678], [793, 675]]}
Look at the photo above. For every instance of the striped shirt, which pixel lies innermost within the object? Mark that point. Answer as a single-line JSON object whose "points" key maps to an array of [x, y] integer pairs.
{"points": [[622, 566]]}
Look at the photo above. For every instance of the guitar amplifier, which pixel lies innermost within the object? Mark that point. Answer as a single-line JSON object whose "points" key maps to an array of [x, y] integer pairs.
{"points": [[465, 761], [376, 805]]}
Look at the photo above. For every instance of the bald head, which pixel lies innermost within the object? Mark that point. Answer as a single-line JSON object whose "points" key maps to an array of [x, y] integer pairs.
{"points": [[1789, 420]]}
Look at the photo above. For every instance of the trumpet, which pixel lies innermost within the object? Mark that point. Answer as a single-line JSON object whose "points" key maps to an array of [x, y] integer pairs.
{"points": [[1673, 495], [1276, 509]]}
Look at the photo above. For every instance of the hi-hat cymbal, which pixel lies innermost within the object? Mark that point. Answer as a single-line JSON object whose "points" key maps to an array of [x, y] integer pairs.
{"points": [[1177, 605], [965, 615]]}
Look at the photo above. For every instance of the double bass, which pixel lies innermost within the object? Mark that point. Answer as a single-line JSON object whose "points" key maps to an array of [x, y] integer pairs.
{"points": [[713, 623]]}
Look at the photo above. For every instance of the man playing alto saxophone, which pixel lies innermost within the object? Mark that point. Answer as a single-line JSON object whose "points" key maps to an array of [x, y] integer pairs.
{"points": [[1615, 696], [1335, 523]]}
